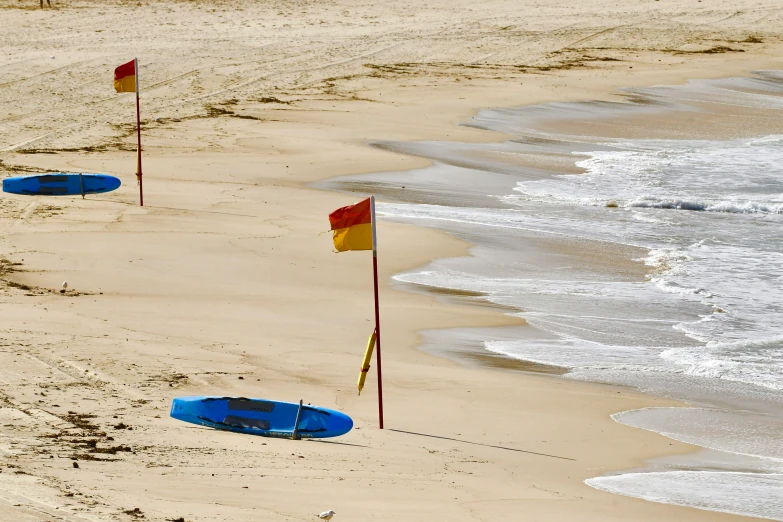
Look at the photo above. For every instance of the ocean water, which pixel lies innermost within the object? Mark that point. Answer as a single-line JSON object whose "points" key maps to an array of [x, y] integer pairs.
{"points": [[646, 261], [716, 491]]}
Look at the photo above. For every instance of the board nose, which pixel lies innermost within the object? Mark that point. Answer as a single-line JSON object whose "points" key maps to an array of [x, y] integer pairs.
{"points": [[180, 407], [340, 423]]}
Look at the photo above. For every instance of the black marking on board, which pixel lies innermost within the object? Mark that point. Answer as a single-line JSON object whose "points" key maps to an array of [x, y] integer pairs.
{"points": [[49, 191], [242, 404], [52, 179], [244, 422]]}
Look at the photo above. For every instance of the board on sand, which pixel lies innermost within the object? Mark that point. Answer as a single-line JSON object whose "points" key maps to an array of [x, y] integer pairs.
{"points": [[61, 184], [261, 417]]}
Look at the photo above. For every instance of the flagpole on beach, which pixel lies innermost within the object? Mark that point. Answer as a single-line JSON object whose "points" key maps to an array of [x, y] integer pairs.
{"points": [[377, 310], [353, 228], [138, 135]]}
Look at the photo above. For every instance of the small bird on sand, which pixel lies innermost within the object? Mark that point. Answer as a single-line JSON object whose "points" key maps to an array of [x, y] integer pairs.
{"points": [[65, 287], [326, 515]]}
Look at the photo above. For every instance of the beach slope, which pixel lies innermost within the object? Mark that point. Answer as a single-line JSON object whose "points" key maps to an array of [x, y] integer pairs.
{"points": [[225, 282]]}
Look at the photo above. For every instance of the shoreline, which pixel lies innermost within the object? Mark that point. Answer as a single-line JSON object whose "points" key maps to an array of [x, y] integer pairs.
{"points": [[201, 278], [705, 458]]}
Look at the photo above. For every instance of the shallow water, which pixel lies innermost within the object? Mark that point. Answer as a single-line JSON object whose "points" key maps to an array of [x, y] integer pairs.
{"points": [[751, 494], [655, 263]]}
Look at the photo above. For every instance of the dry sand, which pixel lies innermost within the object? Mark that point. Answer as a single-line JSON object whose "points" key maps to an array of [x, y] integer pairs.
{"points": [[223, 283]]}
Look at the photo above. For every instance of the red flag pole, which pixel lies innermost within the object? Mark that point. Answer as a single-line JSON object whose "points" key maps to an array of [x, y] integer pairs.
{"points": [[138, 134], [377, 311]]}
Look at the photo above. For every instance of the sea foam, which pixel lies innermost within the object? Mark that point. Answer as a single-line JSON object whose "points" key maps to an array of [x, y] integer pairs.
{"points": [[704, 217], [750, 494]]}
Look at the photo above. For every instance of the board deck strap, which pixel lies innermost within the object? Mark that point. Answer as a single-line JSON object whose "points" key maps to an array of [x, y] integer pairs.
{"points": [[296, 422]]}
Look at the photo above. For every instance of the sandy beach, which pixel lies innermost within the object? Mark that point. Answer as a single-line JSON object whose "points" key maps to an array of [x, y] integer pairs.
{"points": [[226, 283]]}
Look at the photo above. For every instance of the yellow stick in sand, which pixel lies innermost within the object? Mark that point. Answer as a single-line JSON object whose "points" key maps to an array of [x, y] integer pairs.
{"points": [[366, 362]]}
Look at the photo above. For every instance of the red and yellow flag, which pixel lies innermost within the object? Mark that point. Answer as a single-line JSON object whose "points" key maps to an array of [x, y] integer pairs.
{"points": [[352, 227], [125, 77]]}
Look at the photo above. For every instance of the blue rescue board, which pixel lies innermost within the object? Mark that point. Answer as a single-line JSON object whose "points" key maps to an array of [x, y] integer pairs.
{"points": [[61, 184], [261, 417]]}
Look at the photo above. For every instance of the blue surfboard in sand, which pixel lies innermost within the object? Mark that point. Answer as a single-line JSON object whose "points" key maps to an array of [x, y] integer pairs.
{"points": [[261, 417], [61, 184]]}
